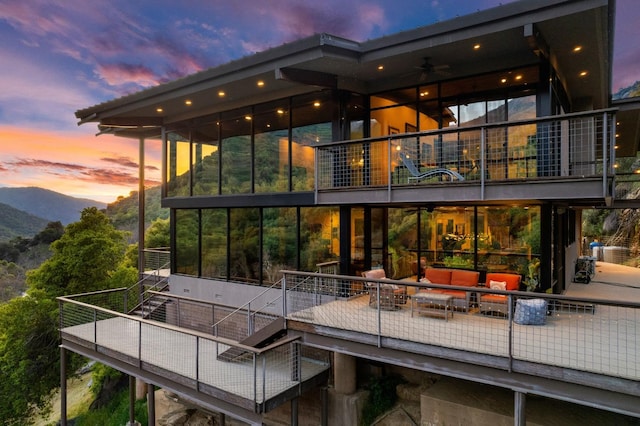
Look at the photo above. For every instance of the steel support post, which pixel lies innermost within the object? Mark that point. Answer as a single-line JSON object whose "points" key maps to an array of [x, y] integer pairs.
{"points": [[63, 386], [151, 404], [519, 406]]}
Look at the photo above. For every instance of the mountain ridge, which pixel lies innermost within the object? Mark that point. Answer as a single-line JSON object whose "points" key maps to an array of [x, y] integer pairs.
{"points": [[46, 204]]}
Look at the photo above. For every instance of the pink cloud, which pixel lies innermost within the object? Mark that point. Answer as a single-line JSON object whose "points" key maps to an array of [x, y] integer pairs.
{"points": [[121, 74]]}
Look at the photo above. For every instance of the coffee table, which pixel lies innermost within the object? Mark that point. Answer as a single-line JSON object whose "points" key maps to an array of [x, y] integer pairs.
{"points": [[432, 302]]}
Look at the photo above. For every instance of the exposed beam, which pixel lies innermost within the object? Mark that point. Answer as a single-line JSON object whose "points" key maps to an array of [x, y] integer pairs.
{"points": [[308, 77]]}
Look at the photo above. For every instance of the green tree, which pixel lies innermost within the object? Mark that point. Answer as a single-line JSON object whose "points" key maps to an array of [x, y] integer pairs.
{"points": [[29, 357], [88, 256], [83, 259], [52, 232], [157, 235]]}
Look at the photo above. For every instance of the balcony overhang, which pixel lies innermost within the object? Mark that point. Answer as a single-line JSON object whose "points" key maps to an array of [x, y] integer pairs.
{"points": [[504, 34], [575, 191]]}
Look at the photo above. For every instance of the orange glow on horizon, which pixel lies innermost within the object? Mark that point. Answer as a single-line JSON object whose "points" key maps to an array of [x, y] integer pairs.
{"points": [[77, 164]]}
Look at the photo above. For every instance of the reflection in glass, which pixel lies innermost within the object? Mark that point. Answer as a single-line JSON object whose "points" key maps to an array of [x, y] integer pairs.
{"points": [[319, 236], [187, 231], [178, 161], [279, 247], [214, 243], [244, 245]]}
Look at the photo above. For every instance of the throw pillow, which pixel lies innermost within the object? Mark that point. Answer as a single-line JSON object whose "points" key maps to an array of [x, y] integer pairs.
{"points": [[497, 285]]}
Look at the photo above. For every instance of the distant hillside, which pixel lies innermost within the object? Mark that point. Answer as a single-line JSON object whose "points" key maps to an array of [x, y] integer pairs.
{"points": [[16, 223], [632, 91], [46, 204], [124, 211]]}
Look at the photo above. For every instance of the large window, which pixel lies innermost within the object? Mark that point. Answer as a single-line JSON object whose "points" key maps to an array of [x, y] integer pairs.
{"points": [[279, 247], [492, 239], [319, 236], [271, 152], [244, 246], [206, 159], [235, 128], [178, 164], [214, 243], [187, 231]]}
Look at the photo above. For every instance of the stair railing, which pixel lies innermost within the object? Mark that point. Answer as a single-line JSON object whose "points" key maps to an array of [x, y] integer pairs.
{"points": [[252, 315], [138, 293]]}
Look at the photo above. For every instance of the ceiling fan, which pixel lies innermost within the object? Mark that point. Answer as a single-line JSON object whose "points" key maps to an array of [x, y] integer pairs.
{"points": [[427, 69]]}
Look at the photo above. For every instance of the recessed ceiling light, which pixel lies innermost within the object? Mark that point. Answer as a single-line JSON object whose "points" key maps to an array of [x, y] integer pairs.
{"points": [[423, 94], [503, 80], [159, 109], [260, 83], [187, 102], [280, 111], [380, 67], [316, 104], [583, 73], [577, 49], [247, 117], [476, 46], [221, 93], [519, 77]]}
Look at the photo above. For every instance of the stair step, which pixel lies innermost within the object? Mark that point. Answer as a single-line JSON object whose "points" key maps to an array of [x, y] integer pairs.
{"points": [[261, 338]]}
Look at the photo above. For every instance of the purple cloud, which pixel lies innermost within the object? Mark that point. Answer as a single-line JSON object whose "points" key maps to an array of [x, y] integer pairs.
{"points": [[78, 172]]}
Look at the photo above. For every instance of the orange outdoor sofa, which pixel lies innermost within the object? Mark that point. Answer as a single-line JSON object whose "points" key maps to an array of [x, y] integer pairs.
{"points": [[490, 303], [454, 277]]}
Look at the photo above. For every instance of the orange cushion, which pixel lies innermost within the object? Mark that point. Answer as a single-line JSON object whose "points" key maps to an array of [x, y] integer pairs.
{"points": [[496, 298], [512, 280], [438, 276], [458, 294], [464, 278]]}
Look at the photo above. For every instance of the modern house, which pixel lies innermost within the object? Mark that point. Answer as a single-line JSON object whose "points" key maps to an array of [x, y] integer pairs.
{"points": [[469, 144]]}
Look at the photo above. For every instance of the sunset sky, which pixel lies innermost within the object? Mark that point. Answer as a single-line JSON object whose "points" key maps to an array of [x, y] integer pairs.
{"points": [[61, 56]]}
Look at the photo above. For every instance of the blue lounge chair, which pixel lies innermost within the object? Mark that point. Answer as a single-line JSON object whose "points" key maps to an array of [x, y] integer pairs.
{"points": [[417, 175]]}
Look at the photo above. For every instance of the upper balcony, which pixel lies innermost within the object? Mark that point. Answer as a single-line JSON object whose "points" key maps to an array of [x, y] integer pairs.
{"points": [[568, 157]]}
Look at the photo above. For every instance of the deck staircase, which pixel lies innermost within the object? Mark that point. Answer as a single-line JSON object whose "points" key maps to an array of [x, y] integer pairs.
{"points": [[268, 334], [149, 306], [146, 294]]}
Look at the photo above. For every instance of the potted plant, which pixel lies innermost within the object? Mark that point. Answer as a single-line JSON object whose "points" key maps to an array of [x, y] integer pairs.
{"points": [[532, 280]]}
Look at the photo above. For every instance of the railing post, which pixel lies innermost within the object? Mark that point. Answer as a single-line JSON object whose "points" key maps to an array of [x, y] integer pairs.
{"points": [[284, 296], [483, 153], [389, 171], [139, 344], [510, 319], [264, 377], [379, 316], [605, 146], [255, 378], [197, 363], [95, 330]]}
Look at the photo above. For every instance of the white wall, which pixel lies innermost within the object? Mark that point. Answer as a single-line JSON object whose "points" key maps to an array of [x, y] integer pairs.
{"points": [[226, 293]]}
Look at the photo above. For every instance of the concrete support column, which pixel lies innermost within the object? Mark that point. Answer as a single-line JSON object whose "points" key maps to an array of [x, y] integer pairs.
{"points": [[141, 389], [344, 373], [519, 406]]}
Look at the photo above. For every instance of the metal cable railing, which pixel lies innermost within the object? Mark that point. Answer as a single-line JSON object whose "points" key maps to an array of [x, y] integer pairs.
{"points": [[590, 335], [572, 145], [189, 355]]}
